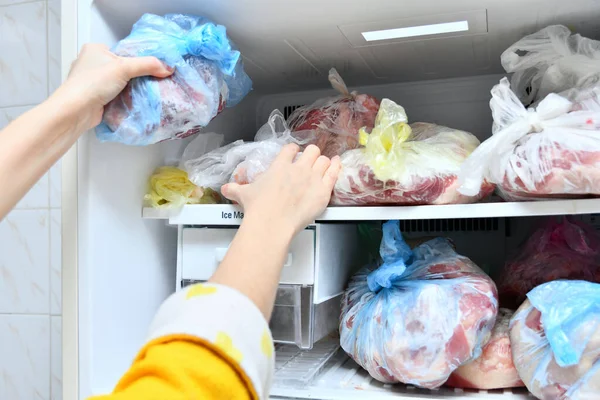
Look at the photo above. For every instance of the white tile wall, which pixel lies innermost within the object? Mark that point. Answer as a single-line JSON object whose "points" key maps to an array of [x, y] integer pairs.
{"points": [[30, 238], [25, 361]]}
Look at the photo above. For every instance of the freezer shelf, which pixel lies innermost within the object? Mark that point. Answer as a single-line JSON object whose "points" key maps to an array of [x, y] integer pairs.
{"points": [[342, 379], [225, 214]]}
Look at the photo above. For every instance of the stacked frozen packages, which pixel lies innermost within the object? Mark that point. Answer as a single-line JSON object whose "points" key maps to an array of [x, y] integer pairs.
{"points": [[385, 161], [332, 123], [208, 77], [555, 337], [552, 148], [405, 164], [564, 249], [419, 315]]}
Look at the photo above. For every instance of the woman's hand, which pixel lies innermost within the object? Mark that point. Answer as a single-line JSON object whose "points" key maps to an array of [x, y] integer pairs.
{"points": [[97, 77], [290, 195]]}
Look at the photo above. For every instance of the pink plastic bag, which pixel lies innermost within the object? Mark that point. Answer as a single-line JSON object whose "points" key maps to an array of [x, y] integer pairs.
{"points": [[557, 250], [332, 123], [495, 368]]}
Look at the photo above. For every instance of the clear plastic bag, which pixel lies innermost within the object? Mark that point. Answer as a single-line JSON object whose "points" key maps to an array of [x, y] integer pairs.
{"points": [[405, 165], [563, 249], [494, 369], [208, 77], [419, 315], [544, 152], [555, 337], [241, 162], [332, 123], [551, 61]]}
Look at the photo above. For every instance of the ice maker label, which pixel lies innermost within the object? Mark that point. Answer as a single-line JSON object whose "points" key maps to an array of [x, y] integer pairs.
{"points": [[233, 215]]}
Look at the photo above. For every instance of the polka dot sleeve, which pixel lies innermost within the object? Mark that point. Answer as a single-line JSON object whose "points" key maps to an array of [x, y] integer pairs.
{"points": [[226, 319]]}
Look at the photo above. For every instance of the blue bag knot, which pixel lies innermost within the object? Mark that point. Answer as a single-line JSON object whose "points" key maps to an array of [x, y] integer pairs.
{"points": [[210, 41], [396, 256], [565, 306]]}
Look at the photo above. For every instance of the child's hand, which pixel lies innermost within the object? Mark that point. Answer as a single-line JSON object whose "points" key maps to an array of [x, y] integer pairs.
{"points": [[290, 195]]}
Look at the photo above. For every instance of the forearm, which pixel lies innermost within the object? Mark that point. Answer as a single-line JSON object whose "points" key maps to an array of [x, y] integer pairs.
{"points": [[254, 261], [30, 145]]}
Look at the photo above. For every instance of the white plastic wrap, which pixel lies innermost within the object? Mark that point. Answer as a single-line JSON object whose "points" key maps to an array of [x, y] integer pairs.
{"points": [[551, 61], [549, 151]]}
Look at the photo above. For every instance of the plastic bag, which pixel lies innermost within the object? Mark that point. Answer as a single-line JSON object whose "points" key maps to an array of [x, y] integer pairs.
{"points": [[241, 162], [544, 152], [405, 165], [419, 315], [562, 249], [332, 123], [171, 188], [555, 337], [494, 369], [208, 77], [551, 61]]}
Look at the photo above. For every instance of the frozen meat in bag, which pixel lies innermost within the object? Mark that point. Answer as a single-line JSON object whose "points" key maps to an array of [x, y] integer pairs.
{"points": [[555, 338], [209, 76], [405, 164], [494, 369], [563, 249], [549, 151], [419, 314], [332, 123]]}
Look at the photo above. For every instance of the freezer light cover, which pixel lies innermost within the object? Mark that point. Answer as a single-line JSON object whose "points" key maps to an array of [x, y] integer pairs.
{"points": [[413, 31]]}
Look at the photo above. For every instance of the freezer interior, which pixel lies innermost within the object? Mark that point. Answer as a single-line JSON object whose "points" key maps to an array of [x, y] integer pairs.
{"points": [[127, 265]]}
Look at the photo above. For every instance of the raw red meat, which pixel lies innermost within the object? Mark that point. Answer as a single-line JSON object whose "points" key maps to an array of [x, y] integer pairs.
{"points": [[494, 369], [429, 317], [426, 175], [555, 338], [332, 123], [180, 105], [557, 250], [550, 151]]}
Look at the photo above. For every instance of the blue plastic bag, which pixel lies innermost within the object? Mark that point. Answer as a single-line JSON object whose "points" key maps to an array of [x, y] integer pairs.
{"points": [[420, 314], [555, 337], [209, 75]]}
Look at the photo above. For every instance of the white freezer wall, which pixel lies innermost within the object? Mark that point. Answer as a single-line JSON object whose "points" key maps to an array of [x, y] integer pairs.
{"points": [[30, 236]]}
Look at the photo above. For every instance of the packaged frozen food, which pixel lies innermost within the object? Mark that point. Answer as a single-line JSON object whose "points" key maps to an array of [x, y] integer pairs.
{"points": [[208, 77], [494, 369], [552, 150], [555, 338], [332, 123], [241, 162], [171, 188], [551, 61], [406, 165], [557, 249], [419, 314]]}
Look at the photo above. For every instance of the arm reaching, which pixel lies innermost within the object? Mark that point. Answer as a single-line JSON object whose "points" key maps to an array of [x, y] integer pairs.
{"points": [[288, 197], [32, 143], [222, 325]]}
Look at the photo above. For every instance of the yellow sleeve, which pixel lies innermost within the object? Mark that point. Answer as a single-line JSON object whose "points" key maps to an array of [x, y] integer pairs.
{"points": [[206, 342], [176, 368]]}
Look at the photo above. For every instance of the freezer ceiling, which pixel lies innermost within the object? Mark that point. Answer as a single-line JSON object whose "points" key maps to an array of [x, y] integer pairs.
{"points": [[290, 45]]}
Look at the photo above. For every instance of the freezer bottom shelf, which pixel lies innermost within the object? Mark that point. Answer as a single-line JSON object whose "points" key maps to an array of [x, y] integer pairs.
{"points": [[340, 378]]}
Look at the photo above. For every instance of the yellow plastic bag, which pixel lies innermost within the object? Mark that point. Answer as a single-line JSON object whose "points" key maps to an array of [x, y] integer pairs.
{"points": [[393, 149], [170, 187]]}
